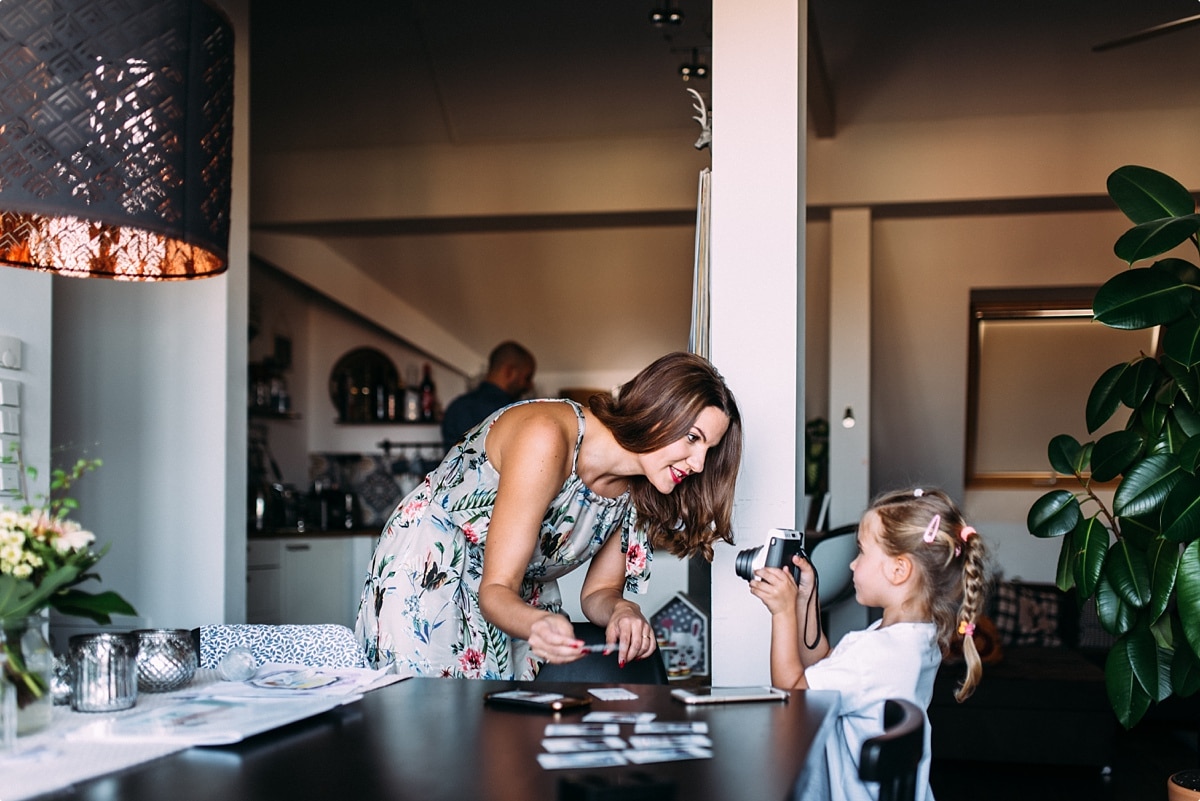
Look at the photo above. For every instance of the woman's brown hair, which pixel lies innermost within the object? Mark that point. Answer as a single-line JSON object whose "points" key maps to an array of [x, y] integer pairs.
{"points": [[656, 407]]}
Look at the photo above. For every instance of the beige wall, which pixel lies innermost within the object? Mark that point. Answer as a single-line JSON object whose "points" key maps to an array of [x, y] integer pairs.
{"points": [[924, 267]]}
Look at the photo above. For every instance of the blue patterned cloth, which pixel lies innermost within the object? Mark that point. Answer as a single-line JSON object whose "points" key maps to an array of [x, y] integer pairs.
{"points": [[319, 645]]}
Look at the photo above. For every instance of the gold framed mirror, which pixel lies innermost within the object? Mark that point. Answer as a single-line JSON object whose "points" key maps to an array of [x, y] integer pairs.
{"points": [[1033, 356]]}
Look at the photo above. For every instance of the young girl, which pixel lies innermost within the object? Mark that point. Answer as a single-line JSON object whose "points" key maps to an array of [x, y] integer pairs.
{"points": [[924, 566]]}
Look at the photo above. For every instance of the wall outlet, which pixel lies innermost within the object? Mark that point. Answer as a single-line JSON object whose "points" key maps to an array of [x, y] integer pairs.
{"points": [[9, 445], [10, 393], [10, 352], [10, 479]]}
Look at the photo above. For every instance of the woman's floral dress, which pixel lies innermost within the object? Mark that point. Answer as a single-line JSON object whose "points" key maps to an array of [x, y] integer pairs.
{"points": [[420, 604]]}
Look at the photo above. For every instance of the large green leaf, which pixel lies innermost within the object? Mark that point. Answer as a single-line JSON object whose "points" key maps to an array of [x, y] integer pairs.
{"points": [[1185, 415], [1105, 397], [1144, 652], [1091, 540], [1138, 381], [1164, 439], [1186, 380], [1162, 558], [1142, 298], [1182, 269], [1128, 697], [1065, 452], [1181, 510], [1153, 419], [1145, 194], [1063, 576], [1116, 616], [1181, 341], [1113, 453], [1053, 514], [1185, 666], [1128, 573], [1187, 594], [1146, 484], [1153, 238], [99, 607], [1189, 455]]}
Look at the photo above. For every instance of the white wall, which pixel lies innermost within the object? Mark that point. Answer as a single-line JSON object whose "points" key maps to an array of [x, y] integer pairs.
{"points": [[25, 313], [923, 269]]}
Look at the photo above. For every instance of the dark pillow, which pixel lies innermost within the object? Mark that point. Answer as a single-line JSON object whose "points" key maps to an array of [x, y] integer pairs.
{"points": [[1027, 615], [1091, 633]]}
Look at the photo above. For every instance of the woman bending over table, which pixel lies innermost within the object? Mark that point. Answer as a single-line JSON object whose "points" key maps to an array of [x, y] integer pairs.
{"points": [[463, 580]]}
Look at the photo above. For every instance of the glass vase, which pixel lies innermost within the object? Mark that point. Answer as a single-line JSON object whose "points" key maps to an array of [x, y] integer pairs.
{"points": [[28, 668]]}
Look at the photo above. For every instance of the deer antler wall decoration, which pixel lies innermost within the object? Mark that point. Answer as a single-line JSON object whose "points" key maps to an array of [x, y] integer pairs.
{"points": [[705, 120]]}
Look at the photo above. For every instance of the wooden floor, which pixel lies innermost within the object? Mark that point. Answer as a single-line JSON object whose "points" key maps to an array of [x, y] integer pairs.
{"points": [[1146, 758]]}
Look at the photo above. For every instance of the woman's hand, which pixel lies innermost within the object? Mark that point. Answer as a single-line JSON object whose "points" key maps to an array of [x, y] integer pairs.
{"points": [[629, 630], [552, 638]]}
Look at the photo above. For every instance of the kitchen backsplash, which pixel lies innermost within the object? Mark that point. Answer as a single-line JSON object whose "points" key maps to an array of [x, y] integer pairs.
{"points": [[378, 481]]}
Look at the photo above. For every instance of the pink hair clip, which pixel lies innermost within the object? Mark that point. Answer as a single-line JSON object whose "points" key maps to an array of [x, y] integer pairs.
{"points": [[932, 529], [964, 534], [966, 629]]}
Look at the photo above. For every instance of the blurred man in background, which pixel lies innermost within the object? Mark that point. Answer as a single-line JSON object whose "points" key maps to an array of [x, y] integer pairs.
{"points": [[510, 375]]}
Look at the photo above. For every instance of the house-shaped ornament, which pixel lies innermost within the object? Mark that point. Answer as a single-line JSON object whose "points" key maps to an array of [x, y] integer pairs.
{"points": [[682, 631]]}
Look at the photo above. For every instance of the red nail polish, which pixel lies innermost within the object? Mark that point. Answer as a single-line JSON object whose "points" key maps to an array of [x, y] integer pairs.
{"points": [[621, 663]]}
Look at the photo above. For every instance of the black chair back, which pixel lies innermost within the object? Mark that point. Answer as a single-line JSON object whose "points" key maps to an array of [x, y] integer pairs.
{"points": [[604, 667], [892, 758]]}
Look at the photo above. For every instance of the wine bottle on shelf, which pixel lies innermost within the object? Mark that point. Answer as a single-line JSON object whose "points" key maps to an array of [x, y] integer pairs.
{"points": [[428, 396]]}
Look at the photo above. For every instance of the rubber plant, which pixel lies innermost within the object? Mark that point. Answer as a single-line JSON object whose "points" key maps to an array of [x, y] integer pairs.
{"points": [[1141, 558]]}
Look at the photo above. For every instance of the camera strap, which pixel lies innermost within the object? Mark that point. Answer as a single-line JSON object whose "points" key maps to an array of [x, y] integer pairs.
{"points": [[814, 605]]}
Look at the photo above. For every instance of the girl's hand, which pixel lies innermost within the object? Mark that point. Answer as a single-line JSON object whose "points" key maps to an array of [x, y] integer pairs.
{"points": [[808, 577], [552, 638], [776, 589], [633, 635]]}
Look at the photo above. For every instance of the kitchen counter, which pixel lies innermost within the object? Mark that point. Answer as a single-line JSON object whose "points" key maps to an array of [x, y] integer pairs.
{"points": [[276, 533]]}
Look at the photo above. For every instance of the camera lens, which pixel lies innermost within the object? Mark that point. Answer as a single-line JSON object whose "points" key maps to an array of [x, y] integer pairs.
{"points": [[744, 564]]}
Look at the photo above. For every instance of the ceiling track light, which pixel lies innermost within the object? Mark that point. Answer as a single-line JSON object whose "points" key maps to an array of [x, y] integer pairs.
{"points": [[693, 69], [668, 14]]}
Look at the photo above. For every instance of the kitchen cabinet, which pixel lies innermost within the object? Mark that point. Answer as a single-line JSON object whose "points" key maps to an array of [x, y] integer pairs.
{"points": [[263, 562], [305, 580]]}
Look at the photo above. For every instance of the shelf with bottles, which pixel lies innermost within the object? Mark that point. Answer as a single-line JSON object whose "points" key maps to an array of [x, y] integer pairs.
{"points": [[366, 389], [270, 414], [268, 395]]}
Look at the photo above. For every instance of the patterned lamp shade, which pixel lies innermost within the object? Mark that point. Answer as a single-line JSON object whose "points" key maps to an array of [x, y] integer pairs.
{"points": [[116, 131]]}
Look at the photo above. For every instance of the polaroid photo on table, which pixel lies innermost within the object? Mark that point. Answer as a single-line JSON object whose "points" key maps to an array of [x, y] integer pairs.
{"points": [[581, 729], [570, 745], [640, 756], [618, 717], [644, 741], [583, 759], [613, 694], [672, 727]]}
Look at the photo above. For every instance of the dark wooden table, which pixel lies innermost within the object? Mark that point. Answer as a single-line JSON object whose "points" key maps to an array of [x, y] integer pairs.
{"points": [[435, 740]]}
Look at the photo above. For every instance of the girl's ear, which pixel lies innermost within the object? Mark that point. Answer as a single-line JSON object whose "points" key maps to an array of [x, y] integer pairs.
{"points": [[902, 568]]}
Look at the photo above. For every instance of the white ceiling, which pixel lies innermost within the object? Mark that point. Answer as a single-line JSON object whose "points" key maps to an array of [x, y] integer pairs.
{"points": [[403, 72]]}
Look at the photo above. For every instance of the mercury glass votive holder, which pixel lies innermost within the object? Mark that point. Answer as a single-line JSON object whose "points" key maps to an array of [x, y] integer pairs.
{"points": [[166, 659]]}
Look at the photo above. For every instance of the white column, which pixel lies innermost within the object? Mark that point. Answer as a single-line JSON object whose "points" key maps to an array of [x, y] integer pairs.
{"points": [[849, 384], [757, 286], [849, 363]]}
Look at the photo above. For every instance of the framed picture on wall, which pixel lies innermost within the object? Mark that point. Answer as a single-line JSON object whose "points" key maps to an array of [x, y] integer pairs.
{"points": [[1034, 355]]}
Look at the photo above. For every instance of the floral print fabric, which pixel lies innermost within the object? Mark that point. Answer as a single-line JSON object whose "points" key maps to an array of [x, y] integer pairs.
{"points": [[420, 603]]}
